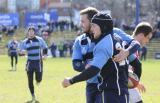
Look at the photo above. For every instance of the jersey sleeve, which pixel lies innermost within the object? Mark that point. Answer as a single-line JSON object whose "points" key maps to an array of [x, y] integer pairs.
{"points": [[22, 45], [125, 37], [43, 43], [133, 44], [77, 54], [132, 58], [101, 56]]}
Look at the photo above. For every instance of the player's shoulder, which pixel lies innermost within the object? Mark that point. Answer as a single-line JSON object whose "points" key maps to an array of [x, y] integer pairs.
{"points": [[16, 42], [105, 42], [80, 37], [25, 40], [118, 31], [39, 38]]}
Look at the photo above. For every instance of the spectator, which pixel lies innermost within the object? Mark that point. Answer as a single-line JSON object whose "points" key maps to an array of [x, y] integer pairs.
{"points": [[61, 49], [53, 48]]}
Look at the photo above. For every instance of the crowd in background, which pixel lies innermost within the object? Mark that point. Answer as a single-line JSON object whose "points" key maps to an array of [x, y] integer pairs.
{"points": [[7, 30], [64, 48]]}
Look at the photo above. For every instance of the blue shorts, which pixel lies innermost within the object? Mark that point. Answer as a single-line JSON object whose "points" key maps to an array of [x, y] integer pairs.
{"points": [[13, 54]]}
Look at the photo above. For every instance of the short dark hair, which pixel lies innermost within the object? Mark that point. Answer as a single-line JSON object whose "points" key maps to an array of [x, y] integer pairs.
{"points": [[143, 27], [31, 28], [90, 11]]}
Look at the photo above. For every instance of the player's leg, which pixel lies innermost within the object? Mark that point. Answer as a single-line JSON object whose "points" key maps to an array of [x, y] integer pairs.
{"points": [[98, 96], [12, 61], [30, 83], [30, 74], [89, 93], [39, 71], [16, 61], [94, 95], [134, 96]]}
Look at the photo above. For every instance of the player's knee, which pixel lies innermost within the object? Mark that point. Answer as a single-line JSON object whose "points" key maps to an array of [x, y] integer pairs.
{"points": [[38, 79]]}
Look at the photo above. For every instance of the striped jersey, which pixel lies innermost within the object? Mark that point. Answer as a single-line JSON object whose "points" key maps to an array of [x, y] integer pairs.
{"points": [[33, 47], [13, 46]]}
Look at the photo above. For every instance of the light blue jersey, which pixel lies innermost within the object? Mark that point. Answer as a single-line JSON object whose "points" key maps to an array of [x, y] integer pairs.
{"points": [[83, 50], [124, 36], [114, 75], [33, 47]]}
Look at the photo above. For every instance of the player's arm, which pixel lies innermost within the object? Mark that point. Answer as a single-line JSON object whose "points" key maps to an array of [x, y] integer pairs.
{"points": [[22, 48], [136, 64], [77, 63], [133, 44], [45, 51], [85, 75], [101, 56], [44, 46], [132, 48]]}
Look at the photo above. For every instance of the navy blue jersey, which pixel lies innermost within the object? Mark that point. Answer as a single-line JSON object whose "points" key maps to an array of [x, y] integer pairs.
{"points": [[114, 75], [33, 47], [13, 46]]}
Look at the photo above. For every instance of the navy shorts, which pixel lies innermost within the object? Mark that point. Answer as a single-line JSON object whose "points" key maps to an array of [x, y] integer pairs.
{"points": [[93, 95], [35, 66], [112, 97]]}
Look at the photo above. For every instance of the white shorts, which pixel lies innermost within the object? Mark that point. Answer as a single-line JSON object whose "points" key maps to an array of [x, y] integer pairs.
{"points": [[134, 95]]}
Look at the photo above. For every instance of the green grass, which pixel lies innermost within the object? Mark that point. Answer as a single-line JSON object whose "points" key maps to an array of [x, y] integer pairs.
{"points": [[14, 88]]}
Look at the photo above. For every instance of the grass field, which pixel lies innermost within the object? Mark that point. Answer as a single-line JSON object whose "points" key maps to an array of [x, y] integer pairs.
{"points": [[14, 88]]}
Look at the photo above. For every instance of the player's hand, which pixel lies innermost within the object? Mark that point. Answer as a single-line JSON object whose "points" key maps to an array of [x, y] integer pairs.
{"points": [[66, 83], [21, 53], [123, 54], [44, 57], [141, 87]]}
